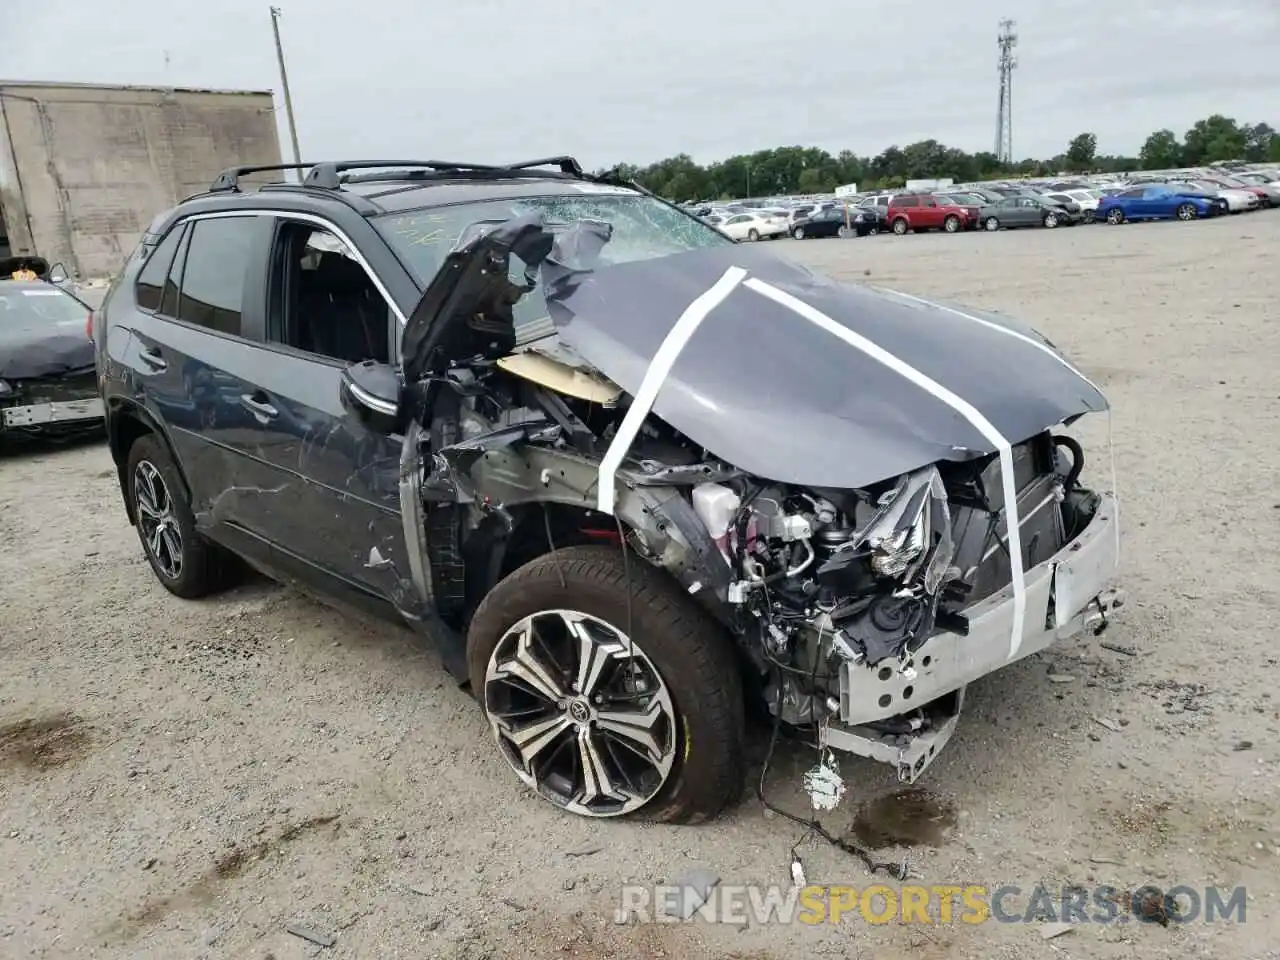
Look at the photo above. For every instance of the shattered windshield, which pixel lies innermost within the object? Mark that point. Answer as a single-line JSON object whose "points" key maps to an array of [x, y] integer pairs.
{"points": [[642, 229]]}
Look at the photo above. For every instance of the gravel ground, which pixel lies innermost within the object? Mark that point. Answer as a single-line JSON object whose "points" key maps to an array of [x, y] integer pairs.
{"points": [[187, 779]]}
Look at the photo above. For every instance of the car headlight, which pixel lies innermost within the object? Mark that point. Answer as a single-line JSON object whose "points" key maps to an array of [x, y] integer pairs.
{"points": [[5, 389]]}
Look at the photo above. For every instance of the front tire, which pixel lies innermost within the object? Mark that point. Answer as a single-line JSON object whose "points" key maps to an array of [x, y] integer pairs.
{"points": [[184, 562], [607, 701], [951, 224], [753, 234], [1186, 211], [1050, 220], [991, 224]]}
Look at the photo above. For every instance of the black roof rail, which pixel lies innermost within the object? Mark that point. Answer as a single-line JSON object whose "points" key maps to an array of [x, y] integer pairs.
{"points": [[568, 165], [329, 175], [229, 180]]}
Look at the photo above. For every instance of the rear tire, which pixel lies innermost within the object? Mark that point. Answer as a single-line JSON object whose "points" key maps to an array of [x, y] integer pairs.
{"points": [[900, 226], [1186, 211], [1115, 216], [689, 651], [798, 233], [753, 234], [186, 564]]}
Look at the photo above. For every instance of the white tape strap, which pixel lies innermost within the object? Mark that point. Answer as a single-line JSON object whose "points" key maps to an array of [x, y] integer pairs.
{"points": [[962, 407], [654, 377]]}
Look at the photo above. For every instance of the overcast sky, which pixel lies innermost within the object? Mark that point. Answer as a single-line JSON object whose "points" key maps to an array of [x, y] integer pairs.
{"points": [[611, 80]]}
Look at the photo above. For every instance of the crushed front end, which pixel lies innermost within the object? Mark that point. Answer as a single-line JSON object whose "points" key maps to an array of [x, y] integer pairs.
{"points": [[872, 609]]}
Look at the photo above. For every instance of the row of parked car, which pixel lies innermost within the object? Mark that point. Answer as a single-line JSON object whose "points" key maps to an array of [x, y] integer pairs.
{"points": [[1172, 195]]}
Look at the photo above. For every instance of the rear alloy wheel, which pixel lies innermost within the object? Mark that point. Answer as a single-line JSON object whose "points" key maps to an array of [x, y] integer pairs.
{"points": [[753, 234], [1186, 211], [1050, 220], [798, 233], [1115, 216], [184, 562], [951, 224], [1090, 216], [991, 223], [900, 226], [608, 701]]}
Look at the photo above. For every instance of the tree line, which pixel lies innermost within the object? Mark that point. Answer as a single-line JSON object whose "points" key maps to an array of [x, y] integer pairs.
{"points": [[787, 170]]}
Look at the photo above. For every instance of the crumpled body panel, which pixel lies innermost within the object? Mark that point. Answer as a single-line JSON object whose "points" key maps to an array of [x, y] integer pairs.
{"points": [[777, 395]]}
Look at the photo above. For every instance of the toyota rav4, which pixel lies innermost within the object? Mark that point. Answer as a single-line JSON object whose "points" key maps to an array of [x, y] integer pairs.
{"points": [[629, 475]]}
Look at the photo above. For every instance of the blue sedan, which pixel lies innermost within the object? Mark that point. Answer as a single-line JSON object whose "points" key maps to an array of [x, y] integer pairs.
{"points": [[1159, 202]]}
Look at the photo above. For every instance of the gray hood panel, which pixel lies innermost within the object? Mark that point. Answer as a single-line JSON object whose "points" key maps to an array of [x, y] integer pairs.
{"points": [[770, 392]]}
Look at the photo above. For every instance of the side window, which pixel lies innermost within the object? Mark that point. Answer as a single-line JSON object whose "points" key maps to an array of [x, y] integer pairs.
{"points": [[1133, 193], [149, 289], [908, 202], [882, 201], [173, 283], [928, 202], [322, 301], [213, 277]]}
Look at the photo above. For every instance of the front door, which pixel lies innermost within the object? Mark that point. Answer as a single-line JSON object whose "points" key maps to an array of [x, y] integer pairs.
{"points": [[330, 504]]}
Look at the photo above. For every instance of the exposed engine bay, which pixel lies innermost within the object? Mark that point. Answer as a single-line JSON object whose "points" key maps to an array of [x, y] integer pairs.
{"points": [[848, 525], [812, 582]]}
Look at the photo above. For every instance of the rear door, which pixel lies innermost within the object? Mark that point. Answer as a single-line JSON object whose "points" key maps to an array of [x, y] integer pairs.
{"points": [[326, 493], [189, 337]]}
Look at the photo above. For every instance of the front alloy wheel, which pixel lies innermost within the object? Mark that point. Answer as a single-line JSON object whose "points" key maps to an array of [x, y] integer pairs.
{"points": [[581, 713], [608, 689], [991, 224]]}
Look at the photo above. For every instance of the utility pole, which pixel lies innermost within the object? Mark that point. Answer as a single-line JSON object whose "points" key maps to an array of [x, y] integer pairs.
{"points": [[284, 83], [1007, 41]]}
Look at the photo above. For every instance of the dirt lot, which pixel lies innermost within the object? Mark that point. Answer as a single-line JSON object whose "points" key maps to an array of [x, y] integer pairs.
{"points": [[187, 779]]}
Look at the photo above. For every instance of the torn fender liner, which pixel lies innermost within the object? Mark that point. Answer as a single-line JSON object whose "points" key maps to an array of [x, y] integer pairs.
{"points": [[777, 395]]}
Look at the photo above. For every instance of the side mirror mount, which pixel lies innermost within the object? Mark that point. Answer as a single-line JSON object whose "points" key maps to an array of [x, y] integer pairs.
{"points": [[58, 274], [370, 392]]}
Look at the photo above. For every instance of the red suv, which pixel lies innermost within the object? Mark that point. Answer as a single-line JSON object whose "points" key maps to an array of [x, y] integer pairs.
{"points": [[923, 211]]}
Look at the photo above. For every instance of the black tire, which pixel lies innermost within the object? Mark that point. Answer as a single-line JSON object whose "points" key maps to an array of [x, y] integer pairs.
{"points": [[873, 231], [900, 226], [1115, 216], [753, 234], [951, 224], [204, 568], [991, 224], [798, 233], [690, 650], [1090, 216], [1186, 211], [1050, 220]]}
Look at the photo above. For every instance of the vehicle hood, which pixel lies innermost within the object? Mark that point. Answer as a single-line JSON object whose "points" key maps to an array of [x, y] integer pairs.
{"points": [[780, 396], [47, 350]]}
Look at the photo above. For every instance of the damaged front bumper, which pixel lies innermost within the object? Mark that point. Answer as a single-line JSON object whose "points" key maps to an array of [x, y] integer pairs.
{"points": [[1069, 593]]}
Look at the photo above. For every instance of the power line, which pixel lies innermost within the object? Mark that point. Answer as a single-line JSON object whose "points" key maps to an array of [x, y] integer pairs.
{"points": [[1007, 41]]}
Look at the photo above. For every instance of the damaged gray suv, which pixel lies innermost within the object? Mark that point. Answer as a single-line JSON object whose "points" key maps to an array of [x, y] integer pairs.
{"points": [[631, 477]]}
